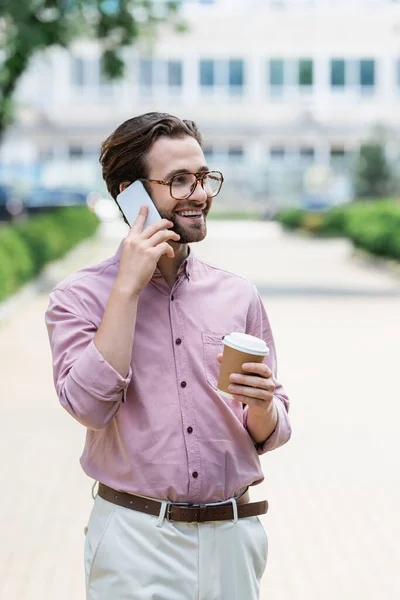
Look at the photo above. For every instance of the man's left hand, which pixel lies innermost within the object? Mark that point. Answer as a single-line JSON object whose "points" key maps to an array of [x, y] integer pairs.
{"points": [[255, 389]]}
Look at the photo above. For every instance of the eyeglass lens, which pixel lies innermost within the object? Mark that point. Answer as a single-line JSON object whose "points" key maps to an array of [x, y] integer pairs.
{"points": [[184, 184]]}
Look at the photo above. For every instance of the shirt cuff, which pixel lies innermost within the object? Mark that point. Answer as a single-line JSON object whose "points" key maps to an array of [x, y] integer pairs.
{"points": [[281, 433], [94, 374]]}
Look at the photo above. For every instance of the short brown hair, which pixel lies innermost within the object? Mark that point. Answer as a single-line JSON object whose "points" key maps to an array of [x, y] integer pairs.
{"points": [[123, 153]]}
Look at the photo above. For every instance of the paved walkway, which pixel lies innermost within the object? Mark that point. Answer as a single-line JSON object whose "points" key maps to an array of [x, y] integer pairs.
{"points": [[334, 490]]}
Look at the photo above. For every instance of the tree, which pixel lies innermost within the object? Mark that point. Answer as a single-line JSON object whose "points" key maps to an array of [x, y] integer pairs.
{"points": [[29, 26], [373, 176]]}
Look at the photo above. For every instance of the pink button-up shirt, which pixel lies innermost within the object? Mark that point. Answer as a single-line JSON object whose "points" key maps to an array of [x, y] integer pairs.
{"points": [[164, 431]]}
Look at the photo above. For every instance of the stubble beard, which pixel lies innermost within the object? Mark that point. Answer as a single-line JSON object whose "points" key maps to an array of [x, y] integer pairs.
{"points": [[196, 232]]}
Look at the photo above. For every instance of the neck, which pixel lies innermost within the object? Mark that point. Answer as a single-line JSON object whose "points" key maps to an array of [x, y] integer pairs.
{"points": [[169, 266]]}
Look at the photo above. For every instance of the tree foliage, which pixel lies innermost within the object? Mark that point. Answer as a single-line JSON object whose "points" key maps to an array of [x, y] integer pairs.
{"points": [[28, 27], [373, 176]]}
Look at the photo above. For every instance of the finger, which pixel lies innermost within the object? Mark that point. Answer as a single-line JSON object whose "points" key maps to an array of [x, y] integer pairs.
{"points": [[140, 220], [162, 236], [251, 392], [254, 402], [251, 381], [156, 227], [164, 248], [219, 357], [259, 368]]}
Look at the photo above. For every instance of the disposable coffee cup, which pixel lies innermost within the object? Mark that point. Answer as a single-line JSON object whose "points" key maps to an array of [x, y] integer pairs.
{"points": [[239, 348]]}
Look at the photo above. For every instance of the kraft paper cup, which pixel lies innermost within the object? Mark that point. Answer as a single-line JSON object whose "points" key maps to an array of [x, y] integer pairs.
{"points": [[239, 348]]}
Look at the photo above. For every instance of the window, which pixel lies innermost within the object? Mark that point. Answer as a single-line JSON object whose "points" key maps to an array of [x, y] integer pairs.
{"points": [[306, 72], [207, 73], [75, 151], [307, 153], [154, 73], [337, 152], [338, 73], [295, 72], [276, 77], [87, 73], [367, 73], [174, 73], [235, 153], [276, 72], [277, 152], [236, 75], [78, 72], [340, 159], [146, 72], [227, 75]]}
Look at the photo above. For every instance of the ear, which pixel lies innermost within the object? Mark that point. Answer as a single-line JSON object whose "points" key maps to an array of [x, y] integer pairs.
{"points": [[124, 185]]}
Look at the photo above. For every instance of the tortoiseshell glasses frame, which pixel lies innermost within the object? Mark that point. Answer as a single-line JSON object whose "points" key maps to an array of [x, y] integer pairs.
{"points": [[199, 178]]}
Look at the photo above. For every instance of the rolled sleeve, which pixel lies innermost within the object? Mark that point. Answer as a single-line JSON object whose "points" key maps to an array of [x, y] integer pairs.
{"points": [[94, 372], [88, 387], [281, 433], [259, 326]]}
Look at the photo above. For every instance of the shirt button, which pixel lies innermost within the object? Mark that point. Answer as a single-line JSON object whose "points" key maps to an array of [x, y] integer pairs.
{"points": [[190, 429], [195, 475], [178, 341], [183, 384], [172, 298]]}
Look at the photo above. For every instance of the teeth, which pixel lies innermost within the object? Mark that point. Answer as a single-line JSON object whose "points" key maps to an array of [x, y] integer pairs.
{"points": [[190, 214]]}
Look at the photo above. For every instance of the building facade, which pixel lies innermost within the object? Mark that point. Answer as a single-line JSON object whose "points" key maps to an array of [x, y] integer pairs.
{"points": [[284, 92]]}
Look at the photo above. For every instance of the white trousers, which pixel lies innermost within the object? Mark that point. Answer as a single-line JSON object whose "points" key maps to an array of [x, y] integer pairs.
{"points": [[129, 557]]}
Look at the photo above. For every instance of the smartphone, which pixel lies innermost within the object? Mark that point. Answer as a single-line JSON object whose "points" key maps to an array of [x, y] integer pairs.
{"points": [[130, 201]]}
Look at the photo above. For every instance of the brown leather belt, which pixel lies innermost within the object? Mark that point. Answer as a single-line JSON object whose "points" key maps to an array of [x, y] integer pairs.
{"points": [[186, 512]]}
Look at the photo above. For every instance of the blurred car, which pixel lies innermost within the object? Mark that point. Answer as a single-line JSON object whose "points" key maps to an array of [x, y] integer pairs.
{"points": [[11, 205], [39, 200]]}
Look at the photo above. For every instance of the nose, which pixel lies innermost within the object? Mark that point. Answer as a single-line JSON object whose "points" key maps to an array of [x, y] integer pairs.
{"points": [[199, 194]]}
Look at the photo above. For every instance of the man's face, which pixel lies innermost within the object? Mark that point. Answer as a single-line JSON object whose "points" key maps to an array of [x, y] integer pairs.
{"points": [[167, 157]]}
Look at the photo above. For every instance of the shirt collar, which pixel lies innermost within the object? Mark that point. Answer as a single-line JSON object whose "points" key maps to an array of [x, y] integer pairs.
{"points": [[185, 267]]}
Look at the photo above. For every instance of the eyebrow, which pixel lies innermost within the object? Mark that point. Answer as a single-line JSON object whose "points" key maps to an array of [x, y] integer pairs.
{"points": [[171, 174]]}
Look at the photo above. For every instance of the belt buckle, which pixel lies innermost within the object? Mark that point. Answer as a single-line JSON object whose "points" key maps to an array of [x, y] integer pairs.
{"points": [[180, 504], [199, 507]]}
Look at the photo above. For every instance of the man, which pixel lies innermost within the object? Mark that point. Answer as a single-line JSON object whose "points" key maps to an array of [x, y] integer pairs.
{"points": [[137, 341]]}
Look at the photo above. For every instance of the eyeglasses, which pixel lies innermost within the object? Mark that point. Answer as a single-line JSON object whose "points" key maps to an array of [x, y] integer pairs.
{"points": [[183, 185]]}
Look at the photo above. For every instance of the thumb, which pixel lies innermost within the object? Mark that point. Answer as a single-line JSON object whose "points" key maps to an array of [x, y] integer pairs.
{"points": [[219, 358]]}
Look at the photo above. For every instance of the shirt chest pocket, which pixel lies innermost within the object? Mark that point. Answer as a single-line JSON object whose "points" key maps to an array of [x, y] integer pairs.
{"points": [[213, 344]]}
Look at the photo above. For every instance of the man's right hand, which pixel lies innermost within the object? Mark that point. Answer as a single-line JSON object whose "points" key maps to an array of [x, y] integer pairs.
{"points": [[141, 251]]}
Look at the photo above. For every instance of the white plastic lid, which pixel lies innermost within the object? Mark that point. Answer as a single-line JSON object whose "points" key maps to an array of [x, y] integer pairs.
{"points": [[247, 343]]}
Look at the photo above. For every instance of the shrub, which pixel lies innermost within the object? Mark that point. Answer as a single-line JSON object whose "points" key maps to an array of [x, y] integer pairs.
{"points": [[45, 238], [26, 247], [371, 225], [18, 256], [291, 218], [335, 221], [375, 226]]}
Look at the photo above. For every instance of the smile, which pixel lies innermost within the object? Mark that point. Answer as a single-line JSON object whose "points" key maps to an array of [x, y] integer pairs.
{"points": [[190, 213]]}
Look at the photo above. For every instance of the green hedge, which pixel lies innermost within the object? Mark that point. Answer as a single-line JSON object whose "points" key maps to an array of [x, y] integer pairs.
{"points": [[371, 225], [26, 247], [291, 218]]}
